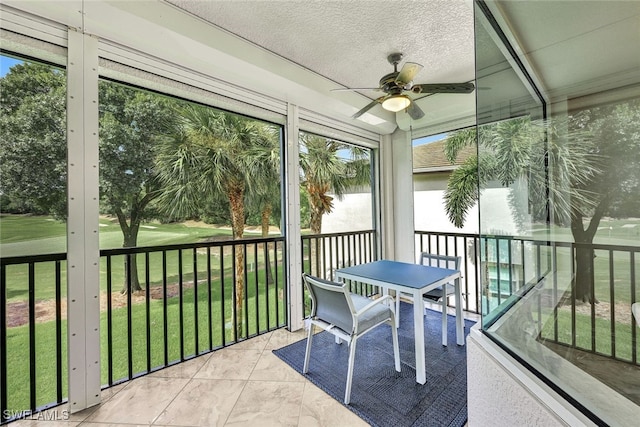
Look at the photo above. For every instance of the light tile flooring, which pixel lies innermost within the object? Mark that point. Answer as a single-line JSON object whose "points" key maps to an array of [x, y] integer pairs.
{"points": [[242, 385]]}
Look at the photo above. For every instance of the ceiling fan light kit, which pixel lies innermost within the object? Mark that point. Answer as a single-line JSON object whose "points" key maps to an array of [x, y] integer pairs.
{"points": [[396, 103], [395, 84]]}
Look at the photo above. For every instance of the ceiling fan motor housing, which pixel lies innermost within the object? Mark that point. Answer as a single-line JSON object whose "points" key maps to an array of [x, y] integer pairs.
{"points": [[388, 84]]}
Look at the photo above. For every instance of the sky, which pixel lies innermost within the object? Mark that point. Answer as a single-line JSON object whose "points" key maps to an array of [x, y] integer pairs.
{"points": [[6, 63], [428, 139]]}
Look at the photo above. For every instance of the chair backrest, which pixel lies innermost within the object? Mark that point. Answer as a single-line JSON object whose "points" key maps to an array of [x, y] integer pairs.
{"points": [[331, 302], [442, 261]]}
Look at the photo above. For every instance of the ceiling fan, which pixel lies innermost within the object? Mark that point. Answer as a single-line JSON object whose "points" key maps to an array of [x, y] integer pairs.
{"points": [[395, 84]]}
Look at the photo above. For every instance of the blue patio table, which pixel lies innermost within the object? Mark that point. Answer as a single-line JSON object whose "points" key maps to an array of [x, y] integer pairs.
{"points": [[414, 279]]}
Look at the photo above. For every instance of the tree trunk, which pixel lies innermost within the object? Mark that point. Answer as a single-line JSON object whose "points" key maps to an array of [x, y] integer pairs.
{"points": [[130, 234], [265, 215], [583, 279], [131, 282], [315, 223], [316, 220], [236, 205]]}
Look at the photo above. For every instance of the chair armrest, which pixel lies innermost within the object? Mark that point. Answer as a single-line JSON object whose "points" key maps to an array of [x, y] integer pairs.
{"points": [[373, 303]]}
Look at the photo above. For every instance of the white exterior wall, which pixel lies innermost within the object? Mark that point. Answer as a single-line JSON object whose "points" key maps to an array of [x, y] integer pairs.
{"points": [[353, 213]]}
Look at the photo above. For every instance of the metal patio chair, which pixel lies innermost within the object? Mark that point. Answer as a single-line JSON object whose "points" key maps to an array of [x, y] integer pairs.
{"points": [[347, 316], [439, 295]]}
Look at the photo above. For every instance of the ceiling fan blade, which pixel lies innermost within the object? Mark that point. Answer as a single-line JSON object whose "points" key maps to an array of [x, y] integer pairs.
{"points": [[414, 111], [355, 88], [408, 72], [443, 88], [368, 107]]}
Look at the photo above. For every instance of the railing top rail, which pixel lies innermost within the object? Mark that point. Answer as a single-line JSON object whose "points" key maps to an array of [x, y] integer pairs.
{"points": [[230, 242], [24, 259], [560, 243], [62, 256]]}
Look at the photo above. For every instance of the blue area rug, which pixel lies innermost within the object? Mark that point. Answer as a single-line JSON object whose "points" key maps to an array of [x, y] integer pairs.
{"points": [[380, 395]]}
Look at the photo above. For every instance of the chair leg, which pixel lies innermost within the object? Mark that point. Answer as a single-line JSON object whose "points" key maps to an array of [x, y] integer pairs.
{"points": [[396, 349], [352, 356], [307, 353]]}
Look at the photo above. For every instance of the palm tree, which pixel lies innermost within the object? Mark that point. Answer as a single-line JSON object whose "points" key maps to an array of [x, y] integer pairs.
{"points": [[207, 157], [264, 190], [558, 168], [325, 171]]}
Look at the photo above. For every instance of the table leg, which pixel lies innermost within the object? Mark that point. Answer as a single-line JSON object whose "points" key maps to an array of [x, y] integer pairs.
{"points": [[418, 327], [459, 319], [444, 317]]}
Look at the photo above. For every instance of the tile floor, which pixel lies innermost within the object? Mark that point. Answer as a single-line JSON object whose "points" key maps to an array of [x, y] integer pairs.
{"points": [[241, 385]]}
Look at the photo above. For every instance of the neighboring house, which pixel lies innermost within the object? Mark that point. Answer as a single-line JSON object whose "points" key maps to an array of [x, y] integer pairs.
{"points": [[431, 170]]}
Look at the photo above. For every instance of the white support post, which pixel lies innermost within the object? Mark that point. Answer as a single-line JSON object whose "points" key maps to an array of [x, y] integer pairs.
{"points": [[397, 196], [386, 198], [403, 222], [83, 248], [292, 226]]}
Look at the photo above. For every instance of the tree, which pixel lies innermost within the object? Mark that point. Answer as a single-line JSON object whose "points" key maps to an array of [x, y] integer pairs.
{"points": [[131, 123], [34, 149], [576, 170], [208, 156], [325, 171], [33, 146], [264, 170]]}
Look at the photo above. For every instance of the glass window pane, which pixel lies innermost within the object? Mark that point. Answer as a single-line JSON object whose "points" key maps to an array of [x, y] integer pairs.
{"points": [[559, 222]]}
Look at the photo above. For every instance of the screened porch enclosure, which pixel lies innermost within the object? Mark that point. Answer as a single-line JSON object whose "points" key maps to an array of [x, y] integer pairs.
{"points": [[164, 188]]}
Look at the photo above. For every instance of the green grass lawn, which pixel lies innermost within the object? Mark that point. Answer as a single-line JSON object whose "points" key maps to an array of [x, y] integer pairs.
{"points": [[30, 235], [610, 232], [260, 317], [21, 235], [34, 235], [604, 340]]}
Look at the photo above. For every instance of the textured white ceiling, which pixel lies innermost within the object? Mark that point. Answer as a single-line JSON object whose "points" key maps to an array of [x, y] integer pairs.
{"points": [[348, 41]]}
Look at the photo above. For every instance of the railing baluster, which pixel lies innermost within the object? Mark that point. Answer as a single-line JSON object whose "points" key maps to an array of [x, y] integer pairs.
{"points": [[555, 296], [593, 307], [634, 336], [3, 344], [129, 322], [245, 330], [257, 291], [109, 323], [234, 293], [223, 319], [210, 302], [573, 295], [196, 337], [276, 281], [181, 303], [267, 284], [165, 321], [613, 305], [59, 360], [147, 302], [32, 337]]}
